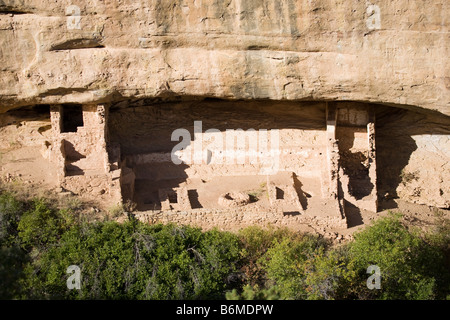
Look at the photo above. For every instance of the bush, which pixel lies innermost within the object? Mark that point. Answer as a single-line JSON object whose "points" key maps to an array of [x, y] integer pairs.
{"points": [[255, 242], [42, 225], [10, 213], [254, 293], [328, 275], [12, 261], [12, 258], [136, 261], [116, 210], [285, 264], [410, 267]]}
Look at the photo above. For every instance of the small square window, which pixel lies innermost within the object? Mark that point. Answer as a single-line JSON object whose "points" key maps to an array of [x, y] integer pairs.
{"points": [[173, 198], [71, 118], [279, 193]]}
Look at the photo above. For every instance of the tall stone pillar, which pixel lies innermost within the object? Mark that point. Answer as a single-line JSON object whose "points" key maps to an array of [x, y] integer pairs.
{"points": [[332, 191], [372, 157], [332, 152], [57, 152]]}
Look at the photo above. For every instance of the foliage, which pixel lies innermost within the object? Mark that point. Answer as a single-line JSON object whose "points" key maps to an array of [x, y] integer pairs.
{"points": [[440, 236], [328, 275], [70, 203], [116, 210], [12, 260], [42, 225], [12, 257], [10, 212], [136, 261], [305, 267], [285, 263], [410, 267], [255, 243], [133, 260], [254, 293]]}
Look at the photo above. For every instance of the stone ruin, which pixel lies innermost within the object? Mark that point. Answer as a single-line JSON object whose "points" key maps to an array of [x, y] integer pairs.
{"points": [[356, 94], [338, 165]]}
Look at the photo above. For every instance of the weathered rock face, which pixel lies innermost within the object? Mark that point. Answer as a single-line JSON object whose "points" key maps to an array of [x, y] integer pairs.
{"points": [[355, 95], [391, 52]]}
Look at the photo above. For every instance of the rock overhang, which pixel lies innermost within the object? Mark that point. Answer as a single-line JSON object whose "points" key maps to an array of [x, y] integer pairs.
{"points": [[105, 55], [287, 50]]}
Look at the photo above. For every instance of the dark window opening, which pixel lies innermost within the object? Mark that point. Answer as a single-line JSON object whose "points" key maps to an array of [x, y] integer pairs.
{"points": [[193, 199], [173, 197], [280, 194], [72, 118]]}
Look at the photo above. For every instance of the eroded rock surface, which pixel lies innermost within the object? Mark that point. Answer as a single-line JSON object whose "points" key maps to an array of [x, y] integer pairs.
{"points": [[393, 52], [357, 93]]}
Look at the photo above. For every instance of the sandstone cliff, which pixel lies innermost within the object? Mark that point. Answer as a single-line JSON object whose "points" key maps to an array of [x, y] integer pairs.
{"points": [[91, 93], [391, 52]]}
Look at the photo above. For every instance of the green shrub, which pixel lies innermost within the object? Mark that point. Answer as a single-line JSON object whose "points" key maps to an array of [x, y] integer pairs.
{"points": [[116, 210], [440, 235], [440, 238], [328, 275], [12, 258], [70, 203], [42, 225], [285, 264], [410, 267], [10, 213], [136, 261], [254, 293], [255, 243]]}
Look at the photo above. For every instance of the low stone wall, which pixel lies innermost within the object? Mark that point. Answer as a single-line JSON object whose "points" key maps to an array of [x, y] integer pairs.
{"points": [[236, 219]]}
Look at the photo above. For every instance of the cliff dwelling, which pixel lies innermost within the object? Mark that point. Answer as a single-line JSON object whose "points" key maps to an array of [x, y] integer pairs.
{"points": [[217, 161], [285, 113]]}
